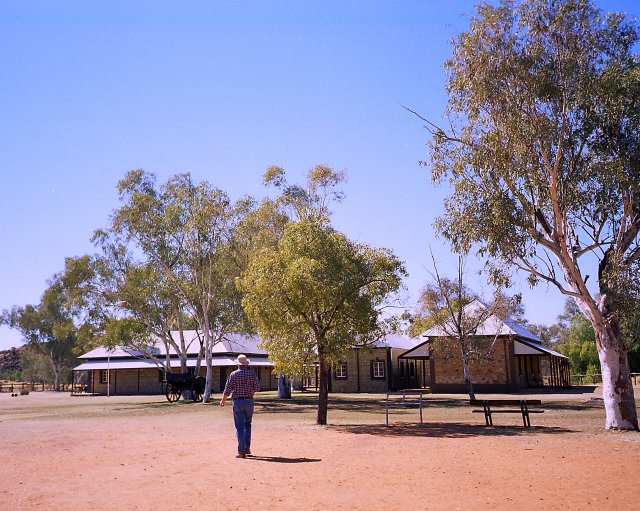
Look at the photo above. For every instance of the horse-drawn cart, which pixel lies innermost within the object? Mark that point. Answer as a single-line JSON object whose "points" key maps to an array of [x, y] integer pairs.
{"points": [[176, 384]]}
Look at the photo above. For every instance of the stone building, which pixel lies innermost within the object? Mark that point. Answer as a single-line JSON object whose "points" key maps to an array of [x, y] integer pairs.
{"points": [[122, 371], [372, 369], [514, 359], [126, 372], [518, 360]]}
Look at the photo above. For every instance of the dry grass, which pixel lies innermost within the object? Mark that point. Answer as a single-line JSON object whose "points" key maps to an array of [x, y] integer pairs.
{"points": [[581, 410]]}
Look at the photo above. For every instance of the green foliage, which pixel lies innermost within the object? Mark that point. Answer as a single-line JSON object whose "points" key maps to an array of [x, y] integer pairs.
{"points": [[420, 322], [634, 358], [573, 336], [49, 331], [36, 367], [315, 295], [542, 156], [11, 375], [576, 339], [310, 202], [317, 292], [582, 353], [543, 151], [168, 262]]}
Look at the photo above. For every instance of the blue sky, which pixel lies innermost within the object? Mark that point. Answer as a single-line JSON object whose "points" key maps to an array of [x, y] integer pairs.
{"points": [[223, 90]]}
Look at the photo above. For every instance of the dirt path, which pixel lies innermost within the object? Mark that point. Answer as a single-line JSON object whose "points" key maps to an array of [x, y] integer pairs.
{"points": [[149, 459]]}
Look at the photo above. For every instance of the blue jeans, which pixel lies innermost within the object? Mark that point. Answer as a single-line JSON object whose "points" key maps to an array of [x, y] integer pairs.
{"points": [[242, 415]]}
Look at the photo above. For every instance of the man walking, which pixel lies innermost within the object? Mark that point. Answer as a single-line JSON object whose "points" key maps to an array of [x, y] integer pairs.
{"points": [[242, 384]]}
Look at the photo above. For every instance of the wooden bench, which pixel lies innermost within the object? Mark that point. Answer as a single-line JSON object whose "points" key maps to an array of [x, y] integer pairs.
{"points": [[491, 406]]}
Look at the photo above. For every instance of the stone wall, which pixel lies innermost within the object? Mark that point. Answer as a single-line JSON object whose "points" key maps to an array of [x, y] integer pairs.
{"points": [[150, 381], [129, 382], [495, 373], [360, 373]]}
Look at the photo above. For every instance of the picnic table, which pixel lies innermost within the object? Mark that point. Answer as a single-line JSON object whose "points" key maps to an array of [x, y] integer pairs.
{"points": [[521, 406]]}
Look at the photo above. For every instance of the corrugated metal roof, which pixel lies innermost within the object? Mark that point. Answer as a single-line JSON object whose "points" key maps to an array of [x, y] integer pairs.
{"points": [[491, 326], [103, 364], [116, 364], [520, 348], [396, 341], [527, 343], [232, 343]]}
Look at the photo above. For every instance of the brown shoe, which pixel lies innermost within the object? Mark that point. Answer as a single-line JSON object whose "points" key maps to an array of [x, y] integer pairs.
{"points": [[241, 455], [248, 452]]}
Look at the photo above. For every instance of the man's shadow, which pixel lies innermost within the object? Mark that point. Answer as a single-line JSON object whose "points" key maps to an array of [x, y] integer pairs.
{"points": [[280, 459]]}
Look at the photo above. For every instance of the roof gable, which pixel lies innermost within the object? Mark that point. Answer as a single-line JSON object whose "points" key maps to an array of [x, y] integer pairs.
{"points": [[397, 341], [492, 326]]}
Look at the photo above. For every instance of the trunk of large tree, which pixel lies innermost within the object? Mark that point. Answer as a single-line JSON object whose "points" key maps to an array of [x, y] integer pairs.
{"points": [[57, 373], [208, 376], [208, 357], [323, 391], [617, 388]]}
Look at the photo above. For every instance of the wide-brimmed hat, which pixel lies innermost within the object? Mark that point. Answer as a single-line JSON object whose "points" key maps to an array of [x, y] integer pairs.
{"points": [[242, 360]]}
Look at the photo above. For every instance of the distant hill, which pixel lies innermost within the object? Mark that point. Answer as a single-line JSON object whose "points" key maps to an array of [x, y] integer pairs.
{"points": [[10, 360]]}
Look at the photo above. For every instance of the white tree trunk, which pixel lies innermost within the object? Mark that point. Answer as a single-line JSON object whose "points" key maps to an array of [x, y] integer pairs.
{"points": [[209, 376], [617, 389]]}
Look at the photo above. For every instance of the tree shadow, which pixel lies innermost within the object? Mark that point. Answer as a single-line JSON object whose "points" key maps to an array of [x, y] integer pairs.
{"points": [[445, 430], [576, 389], [147, 406], [280, 459], [284, 407], [595, 404]]}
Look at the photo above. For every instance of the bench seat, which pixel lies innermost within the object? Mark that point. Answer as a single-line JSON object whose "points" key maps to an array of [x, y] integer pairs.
{"points": [[491, 406]]}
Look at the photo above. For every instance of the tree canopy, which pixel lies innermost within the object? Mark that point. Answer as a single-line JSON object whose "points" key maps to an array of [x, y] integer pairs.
{"points": [[48, 328], [315, 295]]}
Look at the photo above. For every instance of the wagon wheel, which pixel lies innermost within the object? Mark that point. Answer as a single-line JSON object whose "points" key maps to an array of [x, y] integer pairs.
{"points": [[197, 389], [172, 393]]}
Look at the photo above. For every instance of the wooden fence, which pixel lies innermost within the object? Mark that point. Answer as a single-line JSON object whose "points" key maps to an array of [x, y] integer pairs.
{"points": [[19, 386], [592, 379]]}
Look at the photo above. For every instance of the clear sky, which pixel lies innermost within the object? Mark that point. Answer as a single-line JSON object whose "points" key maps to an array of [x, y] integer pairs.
{"points": [[221, 89]]}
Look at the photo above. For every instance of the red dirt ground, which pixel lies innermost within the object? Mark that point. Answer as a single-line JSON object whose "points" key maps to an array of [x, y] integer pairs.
{"points": [[156, 460]]}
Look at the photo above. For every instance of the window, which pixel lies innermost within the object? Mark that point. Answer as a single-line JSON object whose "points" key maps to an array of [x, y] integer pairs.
{"points": [[104, 376], [377, 370], [341, 371]]}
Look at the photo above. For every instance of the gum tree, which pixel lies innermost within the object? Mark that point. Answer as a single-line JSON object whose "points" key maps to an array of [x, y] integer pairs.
{"points": [[179, 232], [48, 328], [543, 154], [315, 295], [128, 303]]}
